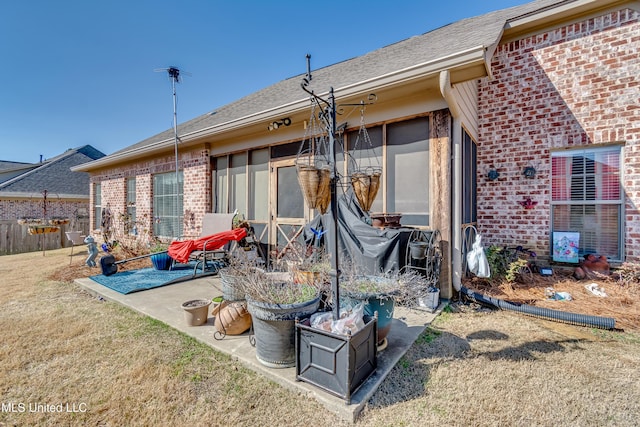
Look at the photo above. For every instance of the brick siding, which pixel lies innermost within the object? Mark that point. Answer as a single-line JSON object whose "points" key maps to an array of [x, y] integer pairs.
{"points": [[197, 191], [573, 86], [13, 209]]}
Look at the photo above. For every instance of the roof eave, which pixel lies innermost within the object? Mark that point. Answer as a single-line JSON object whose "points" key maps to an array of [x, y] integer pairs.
{"points": [[557, 13]]}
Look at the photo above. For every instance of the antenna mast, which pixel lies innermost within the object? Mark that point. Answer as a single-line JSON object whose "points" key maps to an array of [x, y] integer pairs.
{"points": [[174, 75]]}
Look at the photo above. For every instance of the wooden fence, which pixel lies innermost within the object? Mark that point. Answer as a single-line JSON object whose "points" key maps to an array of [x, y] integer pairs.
{"points": [[15, 238]]}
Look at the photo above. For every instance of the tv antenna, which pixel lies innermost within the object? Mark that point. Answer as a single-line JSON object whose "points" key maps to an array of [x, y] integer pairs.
{"points": [[174, 75]]}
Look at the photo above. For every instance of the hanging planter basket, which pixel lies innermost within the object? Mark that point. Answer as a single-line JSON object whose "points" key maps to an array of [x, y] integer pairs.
{"points": [[42, 229], [315, 184], [365, 187], [313, 165], [364, 167]]}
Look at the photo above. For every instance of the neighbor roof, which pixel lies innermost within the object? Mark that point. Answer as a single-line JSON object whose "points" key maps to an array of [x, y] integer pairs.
{"points": [[10, 170], [55, 176], [439, 47]]}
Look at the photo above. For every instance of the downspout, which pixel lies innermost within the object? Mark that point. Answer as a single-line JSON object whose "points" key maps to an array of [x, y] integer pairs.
{"points": [[456, 185]]}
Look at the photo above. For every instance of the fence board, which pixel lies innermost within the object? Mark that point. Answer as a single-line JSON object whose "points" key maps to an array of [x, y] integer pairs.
{"points": [[15, 238]]}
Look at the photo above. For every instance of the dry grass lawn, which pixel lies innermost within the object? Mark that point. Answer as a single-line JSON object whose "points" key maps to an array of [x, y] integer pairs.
{"points": [[63, 349]]}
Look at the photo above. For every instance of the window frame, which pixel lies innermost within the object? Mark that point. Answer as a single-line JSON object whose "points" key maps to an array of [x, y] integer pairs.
{"points": [[97, 206], [568, 197], [157, 205], [131, 225]]}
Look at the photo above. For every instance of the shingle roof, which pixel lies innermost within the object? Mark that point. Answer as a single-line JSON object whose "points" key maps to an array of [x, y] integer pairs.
{"points": [[8, 165], [55, 175], [484, 30], [10, 170]]}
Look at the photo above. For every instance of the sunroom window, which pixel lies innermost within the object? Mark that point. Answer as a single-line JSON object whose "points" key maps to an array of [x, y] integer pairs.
{"points": [[407, 170], [403, 154], [587, 198]]}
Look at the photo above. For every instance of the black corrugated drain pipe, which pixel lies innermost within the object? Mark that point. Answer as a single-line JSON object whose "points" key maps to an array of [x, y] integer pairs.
{"points": [[545, 313]]}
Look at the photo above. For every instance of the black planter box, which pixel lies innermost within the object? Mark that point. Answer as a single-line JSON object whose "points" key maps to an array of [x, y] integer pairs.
{"points": [[338, 364]]}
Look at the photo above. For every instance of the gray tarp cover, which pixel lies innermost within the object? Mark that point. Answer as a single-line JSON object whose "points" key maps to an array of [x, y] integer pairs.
{"points": [[372, 249]]}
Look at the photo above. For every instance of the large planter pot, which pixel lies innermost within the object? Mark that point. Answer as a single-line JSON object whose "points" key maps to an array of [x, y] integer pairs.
{"points": [[384, 305], [196, 312], [339, 364], [274, 330], [230, 291], [161, 261]]}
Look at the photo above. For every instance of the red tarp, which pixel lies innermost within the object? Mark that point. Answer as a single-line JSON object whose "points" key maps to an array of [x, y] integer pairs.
{"points": [[180, 251]]}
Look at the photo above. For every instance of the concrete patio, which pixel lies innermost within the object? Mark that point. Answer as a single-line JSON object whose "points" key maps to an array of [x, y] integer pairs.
{"points": [[164, 304]]}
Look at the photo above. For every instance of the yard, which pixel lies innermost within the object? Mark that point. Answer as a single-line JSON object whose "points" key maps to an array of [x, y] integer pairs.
{"points": [[102, 364]]}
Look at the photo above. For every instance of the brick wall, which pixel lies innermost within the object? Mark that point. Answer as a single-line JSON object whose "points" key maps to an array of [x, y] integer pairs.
{"points": [[197, 191], [572, 86], [13, 209]]}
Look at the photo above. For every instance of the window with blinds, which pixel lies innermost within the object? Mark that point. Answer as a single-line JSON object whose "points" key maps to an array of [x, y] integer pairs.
{"points": [[587, 198], [97, 206], [167, 204], [131, 207]]}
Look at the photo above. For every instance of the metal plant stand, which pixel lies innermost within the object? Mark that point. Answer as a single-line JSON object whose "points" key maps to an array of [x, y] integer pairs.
{"points": [[424, 254], [336, 363]]}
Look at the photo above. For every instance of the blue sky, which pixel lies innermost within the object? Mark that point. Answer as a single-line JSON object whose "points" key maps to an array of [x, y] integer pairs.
{"points": [[81, 72]]}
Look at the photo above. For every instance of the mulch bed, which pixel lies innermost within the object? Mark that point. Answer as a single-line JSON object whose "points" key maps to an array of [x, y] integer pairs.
{"points": [[621, 303]]}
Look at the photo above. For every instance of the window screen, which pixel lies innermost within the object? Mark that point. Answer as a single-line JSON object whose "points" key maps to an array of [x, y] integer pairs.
{"points": [[408, 170], [221, 165], [259, 185], [238, 183]]}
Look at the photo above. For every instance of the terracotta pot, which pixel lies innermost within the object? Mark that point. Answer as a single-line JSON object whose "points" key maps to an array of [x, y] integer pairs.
{"points": [[196, 312], [232, 318]]}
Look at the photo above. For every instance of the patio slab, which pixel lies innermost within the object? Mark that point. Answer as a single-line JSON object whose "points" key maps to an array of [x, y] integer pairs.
{"points": [[164, 304]]}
